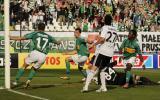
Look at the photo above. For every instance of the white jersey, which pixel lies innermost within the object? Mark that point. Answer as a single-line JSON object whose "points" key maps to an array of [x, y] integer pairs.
{"points": [[110, 35], [97, 49]]}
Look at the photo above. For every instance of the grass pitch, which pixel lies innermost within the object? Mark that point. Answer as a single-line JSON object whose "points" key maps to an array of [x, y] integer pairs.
{"points": [[47, 84]]}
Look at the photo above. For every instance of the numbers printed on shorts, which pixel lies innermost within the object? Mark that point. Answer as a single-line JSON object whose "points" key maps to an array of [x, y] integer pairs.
{"points": [[109, 73]]}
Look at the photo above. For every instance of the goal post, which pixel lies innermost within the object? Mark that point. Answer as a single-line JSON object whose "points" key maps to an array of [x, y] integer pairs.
{"points": [[7, 44]]}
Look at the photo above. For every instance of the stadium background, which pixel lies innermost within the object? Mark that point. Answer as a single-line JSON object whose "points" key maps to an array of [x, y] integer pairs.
{"points": [[61, 18], [149, 43]]}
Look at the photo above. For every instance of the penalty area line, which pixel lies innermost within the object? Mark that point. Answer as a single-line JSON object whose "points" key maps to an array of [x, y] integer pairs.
{"points": [[28, 95]]}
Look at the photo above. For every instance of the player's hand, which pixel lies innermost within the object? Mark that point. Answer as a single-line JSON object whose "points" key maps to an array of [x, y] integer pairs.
{"points": [[90, 46], [58, 42]]}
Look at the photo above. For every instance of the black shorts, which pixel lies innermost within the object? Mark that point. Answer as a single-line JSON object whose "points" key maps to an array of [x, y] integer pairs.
{"points": [[92, 60], [101, 61]]}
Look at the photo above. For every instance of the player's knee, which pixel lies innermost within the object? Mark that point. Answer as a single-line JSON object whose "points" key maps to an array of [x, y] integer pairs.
{"points": [[35, 69], [90, 66], [66, 59], [25, 65], [94, 68]]}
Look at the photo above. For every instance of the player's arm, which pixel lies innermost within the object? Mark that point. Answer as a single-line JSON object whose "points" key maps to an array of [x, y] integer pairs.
{"points": [[54, 40], [138, 50], [70, 53], [100, 39], [17, 38], [121, 50], [122, 47], [57, 42], [25, 37]]}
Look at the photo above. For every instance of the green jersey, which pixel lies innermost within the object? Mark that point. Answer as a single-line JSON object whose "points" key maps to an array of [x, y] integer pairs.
{"points": [[130, 48], [40, 40], [81, 47]]}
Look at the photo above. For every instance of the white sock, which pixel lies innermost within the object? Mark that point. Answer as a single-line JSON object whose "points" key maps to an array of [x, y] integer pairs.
{"points": [[103, 80], [88, 71], [90, 76]]}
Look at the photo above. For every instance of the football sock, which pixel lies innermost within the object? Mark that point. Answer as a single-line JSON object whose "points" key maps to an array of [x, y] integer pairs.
{"points": [[89, 78], [19, 74], [83, 71], [103, 80], [31, 74], [67, 68]]}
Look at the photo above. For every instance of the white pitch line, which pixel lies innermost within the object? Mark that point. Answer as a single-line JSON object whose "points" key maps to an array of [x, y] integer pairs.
{"points": [[28, 95]]}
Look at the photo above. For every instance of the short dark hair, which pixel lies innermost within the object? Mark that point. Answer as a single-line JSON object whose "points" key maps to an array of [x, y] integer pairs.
{"points": [[108, 19], [133, 32], [78, 29], [41, 26]]}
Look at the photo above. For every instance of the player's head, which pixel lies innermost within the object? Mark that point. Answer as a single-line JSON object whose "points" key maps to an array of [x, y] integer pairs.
{"points": [[41, 27], [108, 19], [132, 34], [77, 32]]}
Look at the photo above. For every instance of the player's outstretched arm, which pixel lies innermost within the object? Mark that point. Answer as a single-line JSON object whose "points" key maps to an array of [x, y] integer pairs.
{"points": [[100, 40], [70, 53], [17, 38], [58, 42]]}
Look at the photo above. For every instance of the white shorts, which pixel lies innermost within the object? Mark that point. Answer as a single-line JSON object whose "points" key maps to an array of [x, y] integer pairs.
{"points": [[78, 59], [131, 60], [36, 57]]}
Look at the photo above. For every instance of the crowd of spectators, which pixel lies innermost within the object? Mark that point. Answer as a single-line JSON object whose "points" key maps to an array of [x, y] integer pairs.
{"points": [[66, 15]]}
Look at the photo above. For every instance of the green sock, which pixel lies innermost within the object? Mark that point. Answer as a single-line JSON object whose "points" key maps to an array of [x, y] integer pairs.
{"points": [[83, 71], [31, 74], [68, 68], [19, 74], [128, 76]]}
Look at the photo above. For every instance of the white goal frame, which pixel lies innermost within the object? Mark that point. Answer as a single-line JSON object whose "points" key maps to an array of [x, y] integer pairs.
{"points": [[7, 44]]}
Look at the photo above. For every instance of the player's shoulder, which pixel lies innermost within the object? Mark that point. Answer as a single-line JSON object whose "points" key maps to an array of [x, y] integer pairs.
{"points": [[43, 34], [125, 39], [109, 28], [136, 41]]}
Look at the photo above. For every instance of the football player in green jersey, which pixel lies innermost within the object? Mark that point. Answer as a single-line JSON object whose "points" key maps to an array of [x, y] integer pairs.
{"points": [[79, 56], [41, 42], [130, 48]]}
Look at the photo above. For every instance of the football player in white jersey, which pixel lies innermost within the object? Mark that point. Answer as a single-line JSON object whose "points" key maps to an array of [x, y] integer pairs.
{"points": [[106, 51]]}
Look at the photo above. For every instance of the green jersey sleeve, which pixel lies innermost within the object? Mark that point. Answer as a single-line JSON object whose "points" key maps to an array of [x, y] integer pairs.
{"points": [[137, 47], [52, 39], [29, 35], [82, 40], [123, 45]]}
